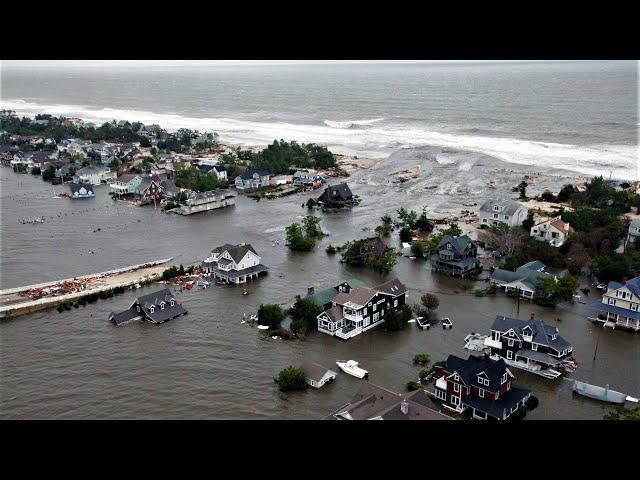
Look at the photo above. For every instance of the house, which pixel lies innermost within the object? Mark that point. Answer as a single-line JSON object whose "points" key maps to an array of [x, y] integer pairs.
{"points": [[157, 307], [310, 178], [528, 344], [551, 230], [252, 179], [317, 375], [149, 189], [634, 230], [524, 279], [479, 384], [125, 184], [372, 402], [198, 202], [456, 256], [497, 211], [234, 263], [217, 170], [355, 309], [94, 175], [81, 190], [124, 124], [620, 304], [336, 196]]}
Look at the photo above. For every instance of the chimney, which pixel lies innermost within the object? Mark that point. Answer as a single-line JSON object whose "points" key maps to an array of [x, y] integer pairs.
{"points": [[311, 290], [533, 315], [404, 406]]}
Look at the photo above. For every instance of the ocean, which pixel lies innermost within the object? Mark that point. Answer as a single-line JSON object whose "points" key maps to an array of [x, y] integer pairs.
{"points": [[578, 116]]}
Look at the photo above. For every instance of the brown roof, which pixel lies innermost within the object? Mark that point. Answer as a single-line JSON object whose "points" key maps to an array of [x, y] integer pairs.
{"points": [[222, 248], [393, 287], [334, 313], [239, 251], [358, 295], [312, 370], [560, 225]]}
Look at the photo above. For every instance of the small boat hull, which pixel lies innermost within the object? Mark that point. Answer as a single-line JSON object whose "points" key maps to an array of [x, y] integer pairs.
{"points": [[352, 369], [598, 393]]}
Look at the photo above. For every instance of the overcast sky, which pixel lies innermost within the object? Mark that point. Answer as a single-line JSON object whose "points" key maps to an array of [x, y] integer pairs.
{"points": [[151, 63]]}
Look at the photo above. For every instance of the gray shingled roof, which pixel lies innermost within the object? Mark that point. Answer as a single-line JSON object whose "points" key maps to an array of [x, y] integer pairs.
{"points": [[393, 287], [459, 243], [541, 331], [357, 296], [313, 371], [469, 369], [510, 206]]}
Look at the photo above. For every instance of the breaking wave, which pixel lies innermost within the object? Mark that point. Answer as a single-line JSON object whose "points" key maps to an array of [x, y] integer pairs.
{"points": [[351, 123], [376, 141]]}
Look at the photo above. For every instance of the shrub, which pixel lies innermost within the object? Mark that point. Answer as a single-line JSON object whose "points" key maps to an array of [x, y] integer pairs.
{"points": [[531, 403], [331, 250], [413, 385], [421, 359], [291, 379], [270, 315], [417, 249]]}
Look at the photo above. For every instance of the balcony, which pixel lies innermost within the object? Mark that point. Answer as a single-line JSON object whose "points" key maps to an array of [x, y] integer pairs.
{"points": [[348, 332]]}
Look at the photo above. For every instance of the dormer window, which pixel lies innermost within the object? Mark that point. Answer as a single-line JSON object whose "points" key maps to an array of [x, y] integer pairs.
{"points": [[448, 246], [152, 308], [172, 302], [504, 378], [138, 308], [162, 306]]}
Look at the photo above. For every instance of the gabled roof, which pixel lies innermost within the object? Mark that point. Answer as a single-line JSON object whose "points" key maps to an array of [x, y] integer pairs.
{"points": [[248, 174], [238, 252], [334, 313], [76, 187], [459, 243], [634, 286], [393, 287], [528, 275], [510, 207], [342, 190], [542, 332], [357, 296], [468, 370]]}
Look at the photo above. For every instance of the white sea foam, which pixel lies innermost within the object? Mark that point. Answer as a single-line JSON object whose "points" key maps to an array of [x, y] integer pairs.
{"points": [[620, 161], [351, 123]]}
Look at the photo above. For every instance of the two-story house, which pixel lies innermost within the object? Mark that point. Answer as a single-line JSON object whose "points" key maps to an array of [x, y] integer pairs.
{"points": [[94, 175], [356, 309], [497, 211], [252, 179], [456, 256], [310, 178], [125, 184], [620, 305], [156, 307], [479, 384], [234, 263], [531, 345], [336, 196], [81, 190], [551, 230]]}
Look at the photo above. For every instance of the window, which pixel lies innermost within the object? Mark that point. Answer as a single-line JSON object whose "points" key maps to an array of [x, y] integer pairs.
{"points": [[448, 246], [497, 394], [456, 387], [534, 347], [510, 342], [138, 308], [509, 355], [506, 217], [634, 307], [611, 301], [481, 393], [554, 235], [495, 215], [395, 303], [162, 306], [152, 308], [375, 305], [441, 394], [455, 400], [504, 378]]}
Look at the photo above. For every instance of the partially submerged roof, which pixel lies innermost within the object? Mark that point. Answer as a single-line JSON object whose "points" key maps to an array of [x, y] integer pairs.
{"points": [[313, 371], [542, 333], [393, 287]]}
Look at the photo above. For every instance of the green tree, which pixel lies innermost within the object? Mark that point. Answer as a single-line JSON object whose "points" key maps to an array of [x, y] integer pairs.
{"points": [[393, 320], [296, 240], [270, 315], [417, 249], [405, 234], [429, 302], [35, 171], [311, 226], [385, 227], [49, 173], [522, 188], [304, 310], [623, 413], [145, 142], [291, 379], [331, 250], [528, 222], [421, 359]]}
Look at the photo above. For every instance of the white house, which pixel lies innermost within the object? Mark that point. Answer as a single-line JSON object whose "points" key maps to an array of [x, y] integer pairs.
{"points": [[496, 211], [95, 175], [634, 230], [233, 263], [317, 375], [220, 172], [551, 230], [252, 179], [620, 305]]}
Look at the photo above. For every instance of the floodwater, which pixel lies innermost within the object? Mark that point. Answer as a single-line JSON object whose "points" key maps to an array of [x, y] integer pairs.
{"points": [[207, 365]]}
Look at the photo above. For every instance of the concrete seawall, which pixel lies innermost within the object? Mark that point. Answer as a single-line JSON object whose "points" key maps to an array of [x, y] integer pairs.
{"points": [[13, 304]]}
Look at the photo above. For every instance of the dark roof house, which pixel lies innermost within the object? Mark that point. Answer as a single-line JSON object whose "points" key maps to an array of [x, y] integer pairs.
{"points": [[337, 196], [156, 307]]}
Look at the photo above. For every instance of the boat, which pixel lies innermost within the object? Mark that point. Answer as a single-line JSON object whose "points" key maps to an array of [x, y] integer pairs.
{"points": [[202, 283], [413, 320], [263, 327], [351, 367], [599, 393], [475, 342], [447, 323], [253, 317]]}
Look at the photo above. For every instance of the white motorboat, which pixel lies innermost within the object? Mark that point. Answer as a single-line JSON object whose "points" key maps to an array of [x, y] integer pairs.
{"points": [[263, 327], [351, 367], [447, 323], [599, 393]]}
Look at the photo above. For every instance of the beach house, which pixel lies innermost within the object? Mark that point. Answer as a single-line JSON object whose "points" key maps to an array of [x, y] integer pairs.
{"points": [[502, 211], [81, 190], [310, 178], [551, 230], [456, 256], [480, 385], [620, 305], [197, 202], [94, 175], [532, 344], [351, 308], [234, 263], [252, 179], [317, 375], [157, 307], [336, 196], [523, 280]]}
